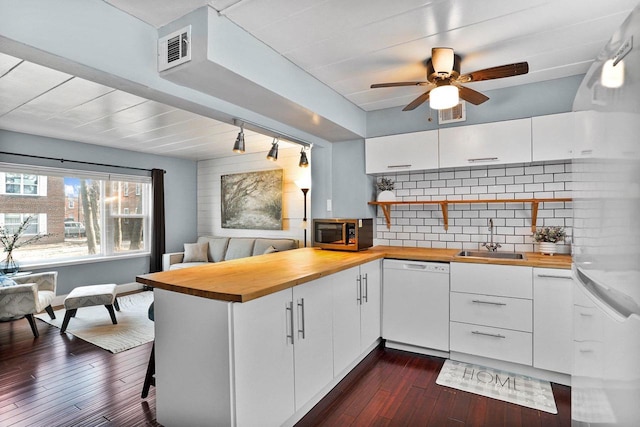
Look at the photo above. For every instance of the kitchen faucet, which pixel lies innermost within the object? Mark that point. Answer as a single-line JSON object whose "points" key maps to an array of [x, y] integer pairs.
{"points": [[491, 246]]}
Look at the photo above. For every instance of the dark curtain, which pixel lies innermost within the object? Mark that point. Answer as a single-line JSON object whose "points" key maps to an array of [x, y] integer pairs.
{"points": [[157, 241]]}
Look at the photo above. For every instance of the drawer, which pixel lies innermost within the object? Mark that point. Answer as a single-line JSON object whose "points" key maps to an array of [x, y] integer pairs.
{"points": [[588, 359], [588, 324], [499, 312], [496, 343], [490, 279]]}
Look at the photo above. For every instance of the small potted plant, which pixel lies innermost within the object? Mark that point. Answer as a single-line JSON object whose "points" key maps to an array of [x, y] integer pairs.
{"points": [[547, 237], [386, 185]]}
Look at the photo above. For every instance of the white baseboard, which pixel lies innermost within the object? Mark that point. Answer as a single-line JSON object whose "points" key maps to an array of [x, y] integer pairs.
{"points": [[120, 289], [415, 349]]}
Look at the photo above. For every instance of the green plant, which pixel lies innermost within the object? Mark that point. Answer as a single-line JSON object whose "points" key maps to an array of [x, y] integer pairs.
{"points": [[549, 234], [385, 184]]}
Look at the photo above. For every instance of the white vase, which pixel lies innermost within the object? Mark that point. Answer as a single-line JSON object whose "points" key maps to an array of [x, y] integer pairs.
{"points": [[387, 196], [548, 248]]}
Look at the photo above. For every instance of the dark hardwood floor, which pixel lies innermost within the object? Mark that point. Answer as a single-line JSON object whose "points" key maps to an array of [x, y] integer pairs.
{"points": [[59, 380]]}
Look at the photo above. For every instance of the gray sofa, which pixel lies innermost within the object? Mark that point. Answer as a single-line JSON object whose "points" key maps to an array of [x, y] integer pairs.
{"points": [[223, 249]]}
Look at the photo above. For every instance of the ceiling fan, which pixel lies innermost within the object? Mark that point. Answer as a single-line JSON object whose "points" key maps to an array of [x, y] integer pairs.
{"points": [[444, 80]]}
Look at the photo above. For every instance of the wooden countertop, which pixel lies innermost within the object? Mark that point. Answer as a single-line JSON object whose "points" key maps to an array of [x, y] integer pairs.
{"points": [[245, 279]]}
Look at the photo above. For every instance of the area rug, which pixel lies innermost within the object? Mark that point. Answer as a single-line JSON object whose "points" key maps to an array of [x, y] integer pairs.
{"points": [[93, 324], [497, 384]]}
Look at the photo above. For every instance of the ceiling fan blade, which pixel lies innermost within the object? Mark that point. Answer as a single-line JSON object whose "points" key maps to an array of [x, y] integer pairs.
{"points": [[417, 102], [472, 96], [499, 72], [397, 84]]}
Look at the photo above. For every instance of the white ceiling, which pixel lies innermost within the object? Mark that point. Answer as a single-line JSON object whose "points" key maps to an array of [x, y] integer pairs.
{"points": [[348, 45]]}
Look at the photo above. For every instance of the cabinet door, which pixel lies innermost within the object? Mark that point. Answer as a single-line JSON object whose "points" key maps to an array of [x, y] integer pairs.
{"points": [[264, 360], [499, 280], [370, 308], [346, 318], [415, 305], [488, 143], [313, 349], [402, 153], [552, 137], [553, 319]]}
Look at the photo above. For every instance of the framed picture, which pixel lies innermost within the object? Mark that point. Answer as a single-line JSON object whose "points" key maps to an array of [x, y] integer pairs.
{"points": [[252, 200]]}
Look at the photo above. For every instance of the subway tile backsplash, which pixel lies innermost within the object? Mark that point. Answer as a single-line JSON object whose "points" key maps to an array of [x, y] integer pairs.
{"points": [[423, 226]]}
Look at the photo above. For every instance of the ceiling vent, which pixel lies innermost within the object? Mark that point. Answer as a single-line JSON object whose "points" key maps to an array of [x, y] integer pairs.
{"points": [[174, 49], [453, 114]]}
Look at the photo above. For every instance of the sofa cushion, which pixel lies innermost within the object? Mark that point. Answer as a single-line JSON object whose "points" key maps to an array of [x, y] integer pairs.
{"points": [[279, 244], [240, 248], [270, 250], [217, 247], [186, 265], [195, 252]]}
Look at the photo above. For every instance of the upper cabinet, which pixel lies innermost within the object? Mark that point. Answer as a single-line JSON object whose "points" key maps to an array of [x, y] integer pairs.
{"points": [[553, 137], [402, 153], [488, 143]]}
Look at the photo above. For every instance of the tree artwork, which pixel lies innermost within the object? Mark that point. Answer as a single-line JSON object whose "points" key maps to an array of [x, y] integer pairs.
{"points": [[252, 200]]}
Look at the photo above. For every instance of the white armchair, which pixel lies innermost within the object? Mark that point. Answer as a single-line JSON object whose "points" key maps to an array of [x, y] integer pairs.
{"points": [[32, 294]]}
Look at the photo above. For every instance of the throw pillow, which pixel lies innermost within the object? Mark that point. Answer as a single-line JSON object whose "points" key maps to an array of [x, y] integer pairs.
{"points": [[5, 281], [270, 250], [195, 252]]}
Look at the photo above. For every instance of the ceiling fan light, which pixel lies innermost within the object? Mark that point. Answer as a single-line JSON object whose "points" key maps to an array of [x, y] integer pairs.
{"points": [[442, 60], [238, 147], [444, 97], [273, 153]]}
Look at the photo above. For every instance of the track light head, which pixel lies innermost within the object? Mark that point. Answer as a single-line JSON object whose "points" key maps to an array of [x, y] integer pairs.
{"points": [[304, 162], [273, 153], [238, 147]]}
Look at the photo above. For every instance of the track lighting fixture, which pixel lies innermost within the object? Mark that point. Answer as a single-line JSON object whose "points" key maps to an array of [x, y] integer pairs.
{"points": [[304, 162], [238, 147], [273, 153]]}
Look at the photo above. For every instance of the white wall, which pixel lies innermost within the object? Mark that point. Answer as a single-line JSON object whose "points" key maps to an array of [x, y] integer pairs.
{"points": [[209, 201], [423, 226]]}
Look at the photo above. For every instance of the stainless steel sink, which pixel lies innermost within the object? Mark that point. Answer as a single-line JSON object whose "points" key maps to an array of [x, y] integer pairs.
{"points": [[494, 255]]}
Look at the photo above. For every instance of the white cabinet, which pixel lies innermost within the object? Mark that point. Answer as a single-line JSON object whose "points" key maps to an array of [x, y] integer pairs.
{"points": [[553, 319], [553, 137], [488, 143], [356, 312], [491, 311], [415, 306], [264, 367], [402, 153]]}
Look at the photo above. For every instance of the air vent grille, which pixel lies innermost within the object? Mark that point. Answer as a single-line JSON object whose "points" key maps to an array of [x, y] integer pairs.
{"points": [[174, 49], [454, 114]]}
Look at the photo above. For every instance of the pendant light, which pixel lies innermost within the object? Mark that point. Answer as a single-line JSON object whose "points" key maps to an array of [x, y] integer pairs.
{"points": [[238, 147], [273, 153], [304, 162]]}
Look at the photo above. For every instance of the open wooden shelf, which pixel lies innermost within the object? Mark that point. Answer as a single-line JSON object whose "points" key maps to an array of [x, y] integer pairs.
{"points": [[444, 206]]}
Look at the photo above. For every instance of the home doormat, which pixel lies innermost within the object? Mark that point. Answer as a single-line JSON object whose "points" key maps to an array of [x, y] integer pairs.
{"points": [[497, 384], [93, 324]]}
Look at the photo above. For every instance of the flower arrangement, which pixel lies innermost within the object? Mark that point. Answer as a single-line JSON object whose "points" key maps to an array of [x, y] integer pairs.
{"points": [[549, 234], [11, 242], [385, 184]]}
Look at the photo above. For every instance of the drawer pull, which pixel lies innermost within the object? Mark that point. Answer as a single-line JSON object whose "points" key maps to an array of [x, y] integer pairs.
{"points": [[415, 266], [487, 335], [553, 276], [586, 315], [482, 159], [586, 351], [398, 166], [477, 301]]}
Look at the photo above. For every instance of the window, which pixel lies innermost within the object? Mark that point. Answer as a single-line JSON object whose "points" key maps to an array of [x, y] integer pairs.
{"points": [[126, 189], [86, 214]]}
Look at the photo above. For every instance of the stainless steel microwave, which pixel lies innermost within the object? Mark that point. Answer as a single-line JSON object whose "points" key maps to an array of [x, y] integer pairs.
{"points": [[343, 234]]}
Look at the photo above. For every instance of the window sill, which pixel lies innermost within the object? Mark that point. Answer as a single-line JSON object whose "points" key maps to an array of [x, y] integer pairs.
{"points": [[63, 263]]}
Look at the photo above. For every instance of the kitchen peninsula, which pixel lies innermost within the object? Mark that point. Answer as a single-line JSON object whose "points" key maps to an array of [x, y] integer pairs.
{"points": [[260, 340]]}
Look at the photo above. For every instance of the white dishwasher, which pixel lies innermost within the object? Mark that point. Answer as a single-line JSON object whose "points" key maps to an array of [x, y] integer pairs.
{"points": [[415, 304]]}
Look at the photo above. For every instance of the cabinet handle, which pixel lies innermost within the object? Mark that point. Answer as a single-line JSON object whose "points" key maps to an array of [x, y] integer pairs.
{"points": [[365, 295], [301, 318], [586, 351], [482, 159], [415, 266], [487, 335], [398, 166], [586, 152], [477, 301], [289, 308], [586, 315], [553, 276], [359, 280]]}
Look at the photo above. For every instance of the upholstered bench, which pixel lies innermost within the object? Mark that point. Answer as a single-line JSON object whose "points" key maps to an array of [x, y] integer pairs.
{"points": [[87, 296]]}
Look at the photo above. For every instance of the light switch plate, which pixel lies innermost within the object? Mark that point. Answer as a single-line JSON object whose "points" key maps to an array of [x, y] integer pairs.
{"points": [[329, 205]]}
